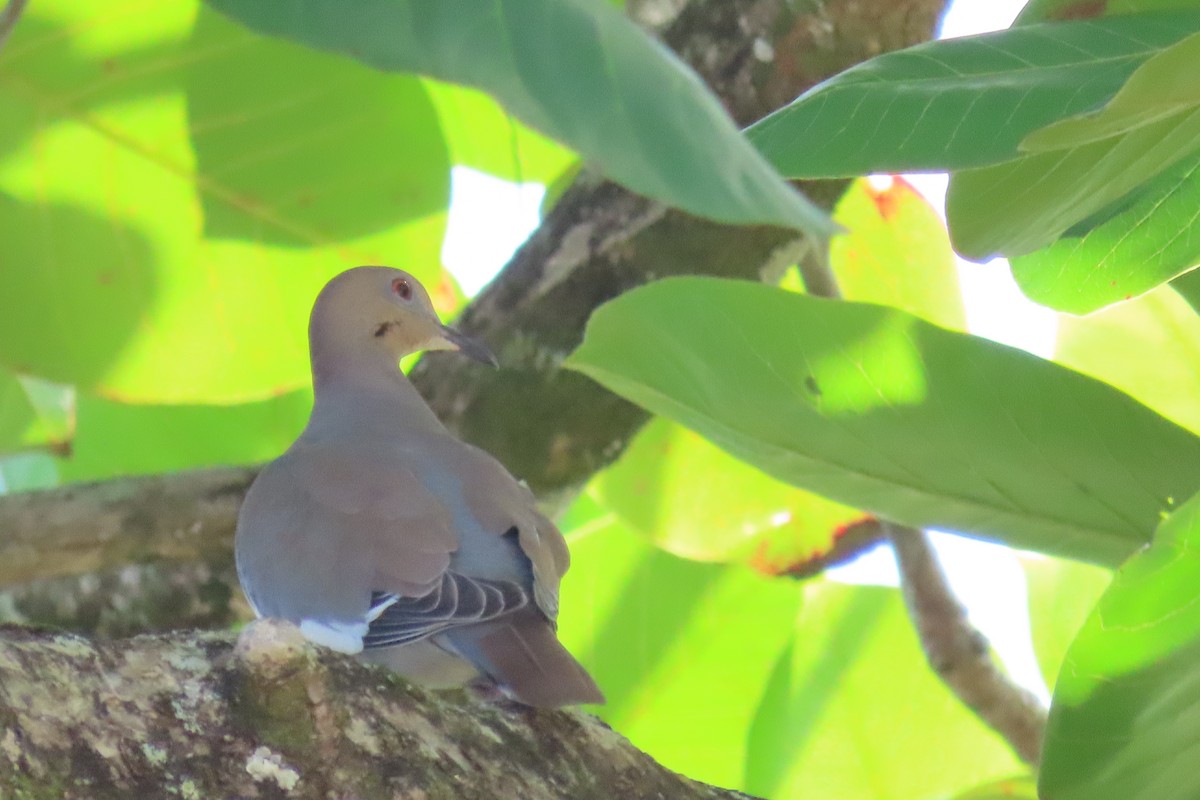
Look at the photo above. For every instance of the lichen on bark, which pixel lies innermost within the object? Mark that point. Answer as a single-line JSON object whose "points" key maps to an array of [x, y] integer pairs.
{"points": [[202, 715]]}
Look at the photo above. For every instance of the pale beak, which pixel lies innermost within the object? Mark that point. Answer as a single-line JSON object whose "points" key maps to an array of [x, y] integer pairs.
{"points": [[471, 348]]}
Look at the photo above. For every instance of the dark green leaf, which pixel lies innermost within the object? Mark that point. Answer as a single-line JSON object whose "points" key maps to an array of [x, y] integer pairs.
{"points": [[959, 102], [577, 70], [874, 408], [1163, 86]]}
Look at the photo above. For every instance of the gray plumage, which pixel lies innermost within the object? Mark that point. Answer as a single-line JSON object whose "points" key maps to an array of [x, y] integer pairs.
{"points": [[380, 533]]}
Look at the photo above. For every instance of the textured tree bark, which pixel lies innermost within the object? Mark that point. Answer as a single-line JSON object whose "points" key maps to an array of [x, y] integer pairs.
{"points": [[195, 716]]}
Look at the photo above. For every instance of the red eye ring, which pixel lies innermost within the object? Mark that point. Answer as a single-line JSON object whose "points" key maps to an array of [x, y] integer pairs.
{"points": [[402, 289]]}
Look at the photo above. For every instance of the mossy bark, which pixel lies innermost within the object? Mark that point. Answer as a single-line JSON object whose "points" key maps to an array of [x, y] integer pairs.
{"points": [[271, 716]]}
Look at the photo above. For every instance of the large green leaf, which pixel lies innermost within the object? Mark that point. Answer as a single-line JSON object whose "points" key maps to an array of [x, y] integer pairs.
{"points": [[1155, 237], [1125, 721], [959, 102], [116, 439], [482, 135], [1163, 86], [1061, 595], [34, 414], [578, 70], [174, 193], [895, 252], [709, 669], [695, 500], [853, 711], [1079, 166], [681, 649], [874, 408], [1113, 345], [1014, 208]]}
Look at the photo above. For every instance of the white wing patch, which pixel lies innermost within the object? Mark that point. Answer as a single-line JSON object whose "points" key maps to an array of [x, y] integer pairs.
{"points": [[345, 637]]}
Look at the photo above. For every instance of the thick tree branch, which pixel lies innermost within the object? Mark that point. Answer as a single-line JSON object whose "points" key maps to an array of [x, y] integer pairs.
{"points": [[89, 528], [194, 716], [550, 427], [959, 653]]}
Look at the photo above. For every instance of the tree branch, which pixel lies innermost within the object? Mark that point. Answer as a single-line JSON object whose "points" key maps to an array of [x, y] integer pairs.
{"points": [[959, 653], [196, 716]]}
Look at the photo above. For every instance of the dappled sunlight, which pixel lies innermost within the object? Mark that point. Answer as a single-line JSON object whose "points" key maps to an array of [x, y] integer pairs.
{"points": [[881, 368]]}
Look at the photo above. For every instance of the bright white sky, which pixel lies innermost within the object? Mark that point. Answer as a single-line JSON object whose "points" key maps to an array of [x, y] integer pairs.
{"points": [[490, 218]]}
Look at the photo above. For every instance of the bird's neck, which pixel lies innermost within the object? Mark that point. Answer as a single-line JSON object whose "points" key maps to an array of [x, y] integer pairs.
{"points": [[360, 389]]}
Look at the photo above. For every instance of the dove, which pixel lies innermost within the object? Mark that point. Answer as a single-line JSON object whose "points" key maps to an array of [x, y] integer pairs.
{"points": [[379, 533]]}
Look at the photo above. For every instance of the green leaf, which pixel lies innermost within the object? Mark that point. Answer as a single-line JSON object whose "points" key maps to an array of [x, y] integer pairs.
{"points": [[784, 696], [1079, 166], [895, 252], [578, 71], [1154, 238], [1014, 208], [483, 136], [694, 500], [1061, 595], [1163, 86], [874, 408], [853, 711], [1023, 788], [116, 439], [34, 414], [1124, 720], [173, 196], [697, 501], [962, 102], [1112, 346], [1187, 286], [660, 633], [1040, 10]]}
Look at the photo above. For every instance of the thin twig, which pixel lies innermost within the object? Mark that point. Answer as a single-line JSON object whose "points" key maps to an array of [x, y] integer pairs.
{"points": [[9, 17], [816, 271], [959, 653]]}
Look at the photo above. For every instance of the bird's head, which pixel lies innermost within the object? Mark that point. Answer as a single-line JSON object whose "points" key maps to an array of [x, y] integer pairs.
{"points": [[385, 309]]}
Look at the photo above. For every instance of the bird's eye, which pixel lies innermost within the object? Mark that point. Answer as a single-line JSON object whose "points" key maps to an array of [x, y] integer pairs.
{"points": [[402, 289]]}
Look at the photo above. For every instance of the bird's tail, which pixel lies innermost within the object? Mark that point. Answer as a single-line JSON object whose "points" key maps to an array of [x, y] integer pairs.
{"points": [[522, 654]]}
